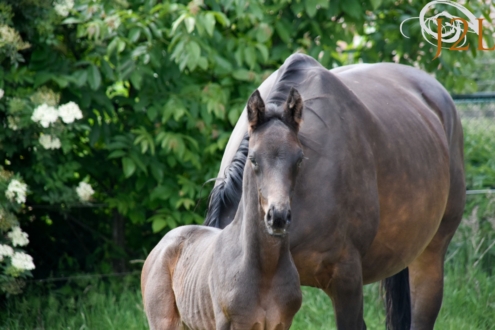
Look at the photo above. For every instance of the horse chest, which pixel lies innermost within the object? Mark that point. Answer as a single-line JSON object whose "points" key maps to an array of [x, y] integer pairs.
{"points": [[266, 306], [245, 307]]}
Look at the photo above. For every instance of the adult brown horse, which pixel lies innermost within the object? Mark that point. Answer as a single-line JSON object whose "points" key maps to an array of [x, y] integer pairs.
{"points": [[381, 193], [242, 277]]}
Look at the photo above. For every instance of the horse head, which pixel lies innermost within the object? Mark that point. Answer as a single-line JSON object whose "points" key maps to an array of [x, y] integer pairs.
{"points": [[276, 155]]}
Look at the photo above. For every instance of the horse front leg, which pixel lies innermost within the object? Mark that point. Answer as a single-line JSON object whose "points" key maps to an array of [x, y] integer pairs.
{"points": [[346, 292]]}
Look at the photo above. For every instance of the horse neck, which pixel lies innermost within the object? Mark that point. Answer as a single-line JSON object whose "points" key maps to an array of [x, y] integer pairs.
{"points": [[259, 247]]}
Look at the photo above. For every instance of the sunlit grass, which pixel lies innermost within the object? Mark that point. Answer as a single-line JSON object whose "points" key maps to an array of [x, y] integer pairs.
{"points": [[469, 303]]}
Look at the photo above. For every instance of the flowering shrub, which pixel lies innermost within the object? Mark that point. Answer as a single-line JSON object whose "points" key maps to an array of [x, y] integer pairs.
{"points": [[49, 142], [69, 112], [45, 115], [84, 191], [16, 191], [36, 115], [35, 126], [62, 7], [15, 264]]}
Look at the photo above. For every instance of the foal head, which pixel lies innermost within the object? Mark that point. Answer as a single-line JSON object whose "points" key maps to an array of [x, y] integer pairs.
{"points": [[275, 155]]}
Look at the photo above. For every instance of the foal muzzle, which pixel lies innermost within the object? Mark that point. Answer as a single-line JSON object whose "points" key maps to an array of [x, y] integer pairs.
{"points": [[277, 220]]}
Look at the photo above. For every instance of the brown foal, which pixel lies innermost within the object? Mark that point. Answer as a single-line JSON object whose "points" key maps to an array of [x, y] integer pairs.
{"points": [[242, 277]]}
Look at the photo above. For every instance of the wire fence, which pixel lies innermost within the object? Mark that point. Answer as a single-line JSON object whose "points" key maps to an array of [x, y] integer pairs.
{"points": [[84, 277], [477, 111]]}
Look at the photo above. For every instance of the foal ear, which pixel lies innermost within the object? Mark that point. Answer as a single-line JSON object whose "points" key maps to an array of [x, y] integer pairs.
{"points": [[294, 108], [255, 111]]}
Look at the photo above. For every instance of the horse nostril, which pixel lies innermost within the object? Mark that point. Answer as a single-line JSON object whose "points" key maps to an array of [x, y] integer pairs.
{"points": [[288, 216], [269, 215]]}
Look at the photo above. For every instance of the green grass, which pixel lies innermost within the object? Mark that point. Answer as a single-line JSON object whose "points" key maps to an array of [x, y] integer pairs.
{"points": [[469, 294], [317, 312], [83, 306], [469, 303]]}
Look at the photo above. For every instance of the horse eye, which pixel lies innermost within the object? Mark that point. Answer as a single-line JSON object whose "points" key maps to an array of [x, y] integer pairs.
{"points": [[253, 161], [299, 162]]}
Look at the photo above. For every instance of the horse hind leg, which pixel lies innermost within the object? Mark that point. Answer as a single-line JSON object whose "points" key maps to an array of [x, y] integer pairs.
{"points": [[158, 296], [161, 309], [426, 272], [414, 295]]}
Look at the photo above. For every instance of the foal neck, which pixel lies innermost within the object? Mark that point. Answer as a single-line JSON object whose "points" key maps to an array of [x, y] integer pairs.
{"points": [[259, 247]]}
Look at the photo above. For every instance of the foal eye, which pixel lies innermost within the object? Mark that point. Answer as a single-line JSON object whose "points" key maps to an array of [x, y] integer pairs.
{"points": [[253, 161], [299, 162]]}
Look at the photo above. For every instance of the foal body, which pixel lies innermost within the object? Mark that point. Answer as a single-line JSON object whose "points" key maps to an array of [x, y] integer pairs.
{"points": [[242, 277]]}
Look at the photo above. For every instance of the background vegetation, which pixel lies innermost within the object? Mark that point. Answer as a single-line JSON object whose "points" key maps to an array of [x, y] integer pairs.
{"points": [[469, 296], [160, 85]]}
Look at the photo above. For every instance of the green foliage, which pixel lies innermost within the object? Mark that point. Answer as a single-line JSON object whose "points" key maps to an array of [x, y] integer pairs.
{"points": [[474, 244], [479, 139], [160, 85]]}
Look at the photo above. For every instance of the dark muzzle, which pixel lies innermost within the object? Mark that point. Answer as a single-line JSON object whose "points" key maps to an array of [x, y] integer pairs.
{"points": [[277, 221]]}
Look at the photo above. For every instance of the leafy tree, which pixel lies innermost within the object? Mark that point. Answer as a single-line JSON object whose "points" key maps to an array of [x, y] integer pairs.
{"points": [[160, 85]]}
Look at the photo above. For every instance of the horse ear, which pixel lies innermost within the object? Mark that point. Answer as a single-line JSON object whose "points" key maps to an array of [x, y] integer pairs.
{"points": [[294, 108], [255, 110]]}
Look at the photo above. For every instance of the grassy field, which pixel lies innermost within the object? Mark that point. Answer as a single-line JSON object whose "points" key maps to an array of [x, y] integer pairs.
{"points": [[469, 303], [469, 295]]}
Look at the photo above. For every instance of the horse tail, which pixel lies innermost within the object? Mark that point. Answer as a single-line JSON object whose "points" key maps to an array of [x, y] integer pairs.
{"points": [[227, 194], [398, 301]]}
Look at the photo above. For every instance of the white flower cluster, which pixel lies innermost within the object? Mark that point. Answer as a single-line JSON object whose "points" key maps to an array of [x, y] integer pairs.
{"points": [[22, 261], [69, 112], [45, 114], [1, 93], [5, 251], [49, 142], [84, 191], [62, 7], [16, 190], [18, 237]]}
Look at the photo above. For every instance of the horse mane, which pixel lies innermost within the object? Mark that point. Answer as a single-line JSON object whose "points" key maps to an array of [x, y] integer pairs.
{"points": [[229, 191], [292, 73]]}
